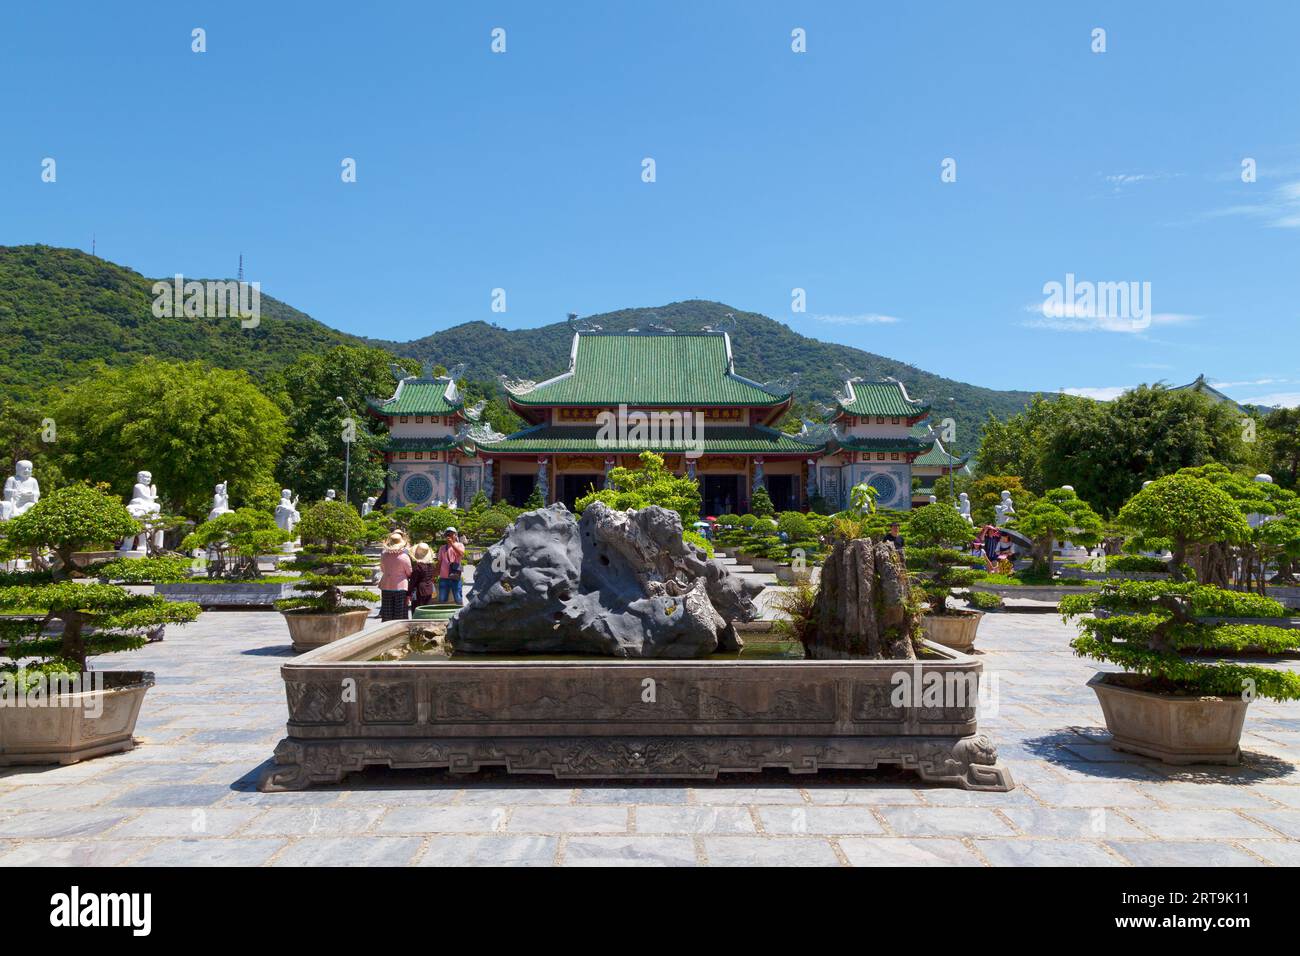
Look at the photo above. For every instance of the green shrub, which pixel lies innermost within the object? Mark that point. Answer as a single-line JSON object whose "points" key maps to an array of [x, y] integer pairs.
{"points": [[96, 618], [1153, 627], [161, 570], [428, 523], [332, 526], [236, 539], [697, 539], [936, 528], [650, 484], [760, 503]]}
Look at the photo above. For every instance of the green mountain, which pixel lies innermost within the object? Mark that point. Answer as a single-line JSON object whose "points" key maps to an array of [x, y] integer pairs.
{"points": [[61, 309]]}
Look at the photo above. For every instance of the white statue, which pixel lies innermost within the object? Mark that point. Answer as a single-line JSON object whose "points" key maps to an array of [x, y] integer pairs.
{"points": [[220, 502], [21, 489], [1005, 509], [329, 495], [933, 500], [7, 505], [143, 505], [368, 505], [963, 505], [286, 512]]}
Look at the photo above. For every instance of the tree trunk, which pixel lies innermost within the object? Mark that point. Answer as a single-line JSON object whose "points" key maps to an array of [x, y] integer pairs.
{"points": [[861, 610], [74, 643]]}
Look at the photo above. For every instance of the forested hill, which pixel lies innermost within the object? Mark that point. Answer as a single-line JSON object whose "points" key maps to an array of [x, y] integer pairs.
{"points": [[61, 310], [764, 349]]}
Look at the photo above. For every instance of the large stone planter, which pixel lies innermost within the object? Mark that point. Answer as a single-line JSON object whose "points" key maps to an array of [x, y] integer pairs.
{"points": [[1051, 594], [309, 630], [626, 718], [1081, 575], [83, 559], [245, 595], [1176, 730], [955, 629], [82, 725]]}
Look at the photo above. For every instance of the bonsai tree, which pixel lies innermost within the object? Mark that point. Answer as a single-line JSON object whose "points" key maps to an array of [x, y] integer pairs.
{"points": [[236, 539], [1185, 509], [1153, 627], [1057, 515], [535, 500], [938, 529], [651, 484], [333, 528], [760, 503], [69, 520], [96, 618], [427, 523]]}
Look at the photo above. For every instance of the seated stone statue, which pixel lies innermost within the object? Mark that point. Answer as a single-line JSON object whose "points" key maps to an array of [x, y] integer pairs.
{"points": [[1005, 510], [330, 495], [963, 506], [368, 505], [143, 505], [26, 490], [7, 505], [286, 512], [220, 502]]}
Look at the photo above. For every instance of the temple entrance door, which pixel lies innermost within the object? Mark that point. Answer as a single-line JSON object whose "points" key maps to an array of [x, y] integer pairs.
{"points": [[784, 492], [518, 488], [572, 487], [721, 494]]}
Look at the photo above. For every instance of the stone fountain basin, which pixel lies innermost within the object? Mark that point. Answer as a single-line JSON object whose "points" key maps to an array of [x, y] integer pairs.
{"points": [[596, 717]]}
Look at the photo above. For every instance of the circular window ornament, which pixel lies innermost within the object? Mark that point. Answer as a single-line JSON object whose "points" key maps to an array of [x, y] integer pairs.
{"points": [[417, 490], [885, 485]]}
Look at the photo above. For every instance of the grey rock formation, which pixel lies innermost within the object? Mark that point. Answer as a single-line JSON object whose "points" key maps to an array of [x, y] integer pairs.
{"points": [[618, 583], [862, 606]]}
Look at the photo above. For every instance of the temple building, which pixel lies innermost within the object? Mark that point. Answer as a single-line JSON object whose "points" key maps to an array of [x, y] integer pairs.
{"points": [[431, 454], [934, 466], [677, 394]]}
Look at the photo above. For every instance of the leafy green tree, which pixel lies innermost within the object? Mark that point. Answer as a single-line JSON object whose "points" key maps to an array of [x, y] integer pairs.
{"points": [[1185, 510], [70, 519], [535, 499], [1058, 514], [96, 618], [308, 391], [985, 492], [651, 484], [760, 503], [428, 523], [1282, 429], [938, 529], [189, 424], [1154, 625], [235, 540], [332, 529]]}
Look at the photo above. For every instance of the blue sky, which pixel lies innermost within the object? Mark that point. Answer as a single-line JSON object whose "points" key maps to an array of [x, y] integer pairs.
{"points": [[775, 170]]}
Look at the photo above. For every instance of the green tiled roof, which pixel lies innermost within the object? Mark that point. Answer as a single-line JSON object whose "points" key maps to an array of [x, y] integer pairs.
{"points": [[732, 439], [938, 456], [419, 396], [903, 443], [650, 369], [880, 398], [422, 444]]}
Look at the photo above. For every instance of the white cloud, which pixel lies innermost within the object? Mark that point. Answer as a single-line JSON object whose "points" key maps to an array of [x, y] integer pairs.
{"points": [[1284, 399], [1280, 208], [1070, 317], [866, 318], [1102, 393]]}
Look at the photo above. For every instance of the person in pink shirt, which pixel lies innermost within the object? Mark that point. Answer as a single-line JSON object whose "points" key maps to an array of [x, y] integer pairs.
{"points": [[394, 578], [450, 554]]}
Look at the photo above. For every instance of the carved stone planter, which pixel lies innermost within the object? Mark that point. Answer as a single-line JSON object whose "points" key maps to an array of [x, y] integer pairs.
{"points": [[309, 631], [1176, 730], [955, 629], [82, 725], [627, 718], [246, 595]]}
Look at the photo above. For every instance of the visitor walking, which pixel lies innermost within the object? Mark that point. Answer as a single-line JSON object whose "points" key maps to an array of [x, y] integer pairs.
{"points": [[394, 578], [420, 586], [450, 553], [990, 533]]}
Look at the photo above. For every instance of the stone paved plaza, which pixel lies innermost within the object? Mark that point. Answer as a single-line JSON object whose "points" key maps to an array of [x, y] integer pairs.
{"points": [[187, 796]]}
